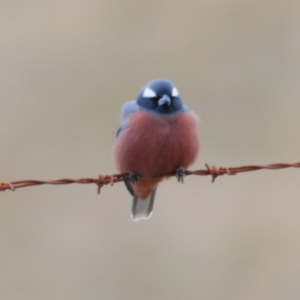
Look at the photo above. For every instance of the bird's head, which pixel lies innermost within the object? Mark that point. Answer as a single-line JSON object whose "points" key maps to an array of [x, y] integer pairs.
{"points": [[160, 96]]}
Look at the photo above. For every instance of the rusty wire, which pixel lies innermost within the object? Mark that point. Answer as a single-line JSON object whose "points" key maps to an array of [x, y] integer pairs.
{"points": [[213, 171]]}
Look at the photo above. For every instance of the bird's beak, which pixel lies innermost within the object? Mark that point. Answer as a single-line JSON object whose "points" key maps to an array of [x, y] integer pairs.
{"points": [[164, 100]]}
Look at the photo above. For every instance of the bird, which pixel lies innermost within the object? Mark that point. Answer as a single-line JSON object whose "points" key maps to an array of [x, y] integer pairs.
{"points": [[158, 137]]}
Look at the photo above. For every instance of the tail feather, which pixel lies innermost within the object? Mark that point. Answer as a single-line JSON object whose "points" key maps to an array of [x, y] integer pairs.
{"points": [[142, 209]]}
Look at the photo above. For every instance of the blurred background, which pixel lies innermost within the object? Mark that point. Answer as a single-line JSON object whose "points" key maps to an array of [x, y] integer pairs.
{"points": [[67, 67]]}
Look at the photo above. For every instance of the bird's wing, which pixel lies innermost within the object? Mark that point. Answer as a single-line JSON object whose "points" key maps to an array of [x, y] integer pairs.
{"points": [[127, 109]]}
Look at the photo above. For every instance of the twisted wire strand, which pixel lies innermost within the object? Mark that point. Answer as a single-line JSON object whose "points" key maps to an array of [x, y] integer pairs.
{"points": [[212, 171]]}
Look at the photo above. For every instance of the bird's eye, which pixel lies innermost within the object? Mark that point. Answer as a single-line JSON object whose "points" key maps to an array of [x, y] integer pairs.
{"points": [[153, 99]]}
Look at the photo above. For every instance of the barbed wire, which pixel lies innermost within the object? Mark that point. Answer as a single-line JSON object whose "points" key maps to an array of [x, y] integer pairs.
{"points": [[212, 171]]}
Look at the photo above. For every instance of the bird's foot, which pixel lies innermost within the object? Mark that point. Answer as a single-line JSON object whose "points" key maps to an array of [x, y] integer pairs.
{"points": [[180, 174], [133, 177]]}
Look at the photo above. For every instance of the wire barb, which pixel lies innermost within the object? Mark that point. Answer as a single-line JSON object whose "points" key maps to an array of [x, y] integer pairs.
{"points": [[215, 172], [212, 171], [6, 186], [102, 180]]}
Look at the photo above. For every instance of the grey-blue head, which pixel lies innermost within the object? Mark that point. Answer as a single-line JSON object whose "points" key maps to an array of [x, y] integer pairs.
{"points": [[160, 96]]}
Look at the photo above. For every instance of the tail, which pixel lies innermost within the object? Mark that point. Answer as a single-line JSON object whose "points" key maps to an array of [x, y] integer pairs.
{"points": [[142, 209]]}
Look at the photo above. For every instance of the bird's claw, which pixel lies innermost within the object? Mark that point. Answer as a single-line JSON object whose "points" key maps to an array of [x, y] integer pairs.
{"points": [[133, 177], [180, 174]]}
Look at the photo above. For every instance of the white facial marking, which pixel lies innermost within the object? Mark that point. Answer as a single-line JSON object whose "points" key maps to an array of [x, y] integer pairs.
{"points": [[148, 93], [175, 92]]}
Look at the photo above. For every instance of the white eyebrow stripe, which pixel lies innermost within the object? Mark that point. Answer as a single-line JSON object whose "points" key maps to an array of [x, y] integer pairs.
{"points": [[175, 92], [148, 93]]}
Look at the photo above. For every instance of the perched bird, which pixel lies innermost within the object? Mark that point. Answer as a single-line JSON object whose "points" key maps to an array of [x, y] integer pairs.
{"points": [[158, 136]]}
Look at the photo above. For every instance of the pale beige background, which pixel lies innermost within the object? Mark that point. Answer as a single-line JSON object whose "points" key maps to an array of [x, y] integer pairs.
{"points": [[66, 69]]}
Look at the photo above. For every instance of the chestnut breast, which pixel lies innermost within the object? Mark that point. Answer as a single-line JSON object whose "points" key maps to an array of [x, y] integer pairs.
{"points": [[152, 144]]}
